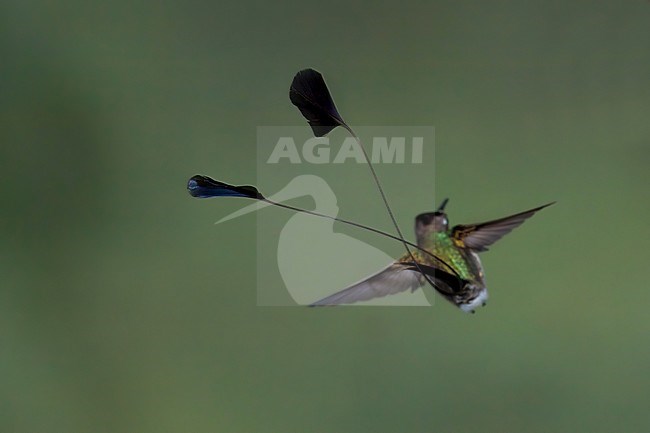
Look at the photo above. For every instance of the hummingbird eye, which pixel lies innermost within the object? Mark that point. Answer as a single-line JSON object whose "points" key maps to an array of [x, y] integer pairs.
{"points": [[440, 218]]}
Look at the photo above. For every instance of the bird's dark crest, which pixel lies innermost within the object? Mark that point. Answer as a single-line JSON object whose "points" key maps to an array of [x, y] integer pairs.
{"points": [[310, 94]]}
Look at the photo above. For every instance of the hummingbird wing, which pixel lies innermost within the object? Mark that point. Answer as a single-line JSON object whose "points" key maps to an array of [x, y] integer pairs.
{"points": [[480, 236], [393, 279]]}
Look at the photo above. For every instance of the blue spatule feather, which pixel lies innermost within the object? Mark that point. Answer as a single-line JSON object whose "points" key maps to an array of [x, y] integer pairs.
{"points": [[205, 187], [309, 93]]}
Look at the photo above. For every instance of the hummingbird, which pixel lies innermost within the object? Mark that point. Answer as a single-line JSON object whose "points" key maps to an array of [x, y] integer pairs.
{"points": [[453, 252], [447, 259]]}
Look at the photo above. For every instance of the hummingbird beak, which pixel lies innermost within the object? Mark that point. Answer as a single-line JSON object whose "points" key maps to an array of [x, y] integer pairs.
{"points": [[292, 190], [441, 208]]}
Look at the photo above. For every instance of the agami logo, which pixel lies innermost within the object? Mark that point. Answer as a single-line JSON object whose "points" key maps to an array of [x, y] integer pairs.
{"points": [[317, 150]]}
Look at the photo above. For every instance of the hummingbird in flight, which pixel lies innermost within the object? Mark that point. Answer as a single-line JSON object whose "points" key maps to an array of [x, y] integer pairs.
{"points": [[447, 259], [448, 255]]}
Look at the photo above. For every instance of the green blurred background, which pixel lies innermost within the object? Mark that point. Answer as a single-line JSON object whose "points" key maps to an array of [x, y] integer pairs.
{"points": [[124, 309]]}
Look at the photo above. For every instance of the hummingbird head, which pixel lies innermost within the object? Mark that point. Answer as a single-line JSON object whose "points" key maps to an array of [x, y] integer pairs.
{"points": [[430, 222]]}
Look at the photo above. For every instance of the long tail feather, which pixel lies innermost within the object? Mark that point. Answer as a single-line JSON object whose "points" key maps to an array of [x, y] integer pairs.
{"points": [[205, 187], [200, 186], [309, 93]]}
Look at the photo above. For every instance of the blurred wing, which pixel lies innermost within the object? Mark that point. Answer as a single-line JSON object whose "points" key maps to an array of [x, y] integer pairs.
{"points": [[480, 236], [395, 278]]}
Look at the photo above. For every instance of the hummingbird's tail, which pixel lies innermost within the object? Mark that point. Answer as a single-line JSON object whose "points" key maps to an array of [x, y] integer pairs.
{"points": [[201, 186], [205, 187]]}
